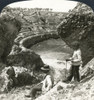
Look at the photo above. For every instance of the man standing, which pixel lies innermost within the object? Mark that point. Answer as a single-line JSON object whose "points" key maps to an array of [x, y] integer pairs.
{"points": [[76, 62]]}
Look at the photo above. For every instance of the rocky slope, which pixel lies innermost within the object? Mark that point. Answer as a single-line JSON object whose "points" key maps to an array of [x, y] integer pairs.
{"points": [[73, 91], [35, 27], [79, 25], [70, 29]]}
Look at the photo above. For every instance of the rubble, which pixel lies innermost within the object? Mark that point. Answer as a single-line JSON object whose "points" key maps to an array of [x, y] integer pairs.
{"points": [[14, 77], [88, 69], [74, 90], [25, 58]]}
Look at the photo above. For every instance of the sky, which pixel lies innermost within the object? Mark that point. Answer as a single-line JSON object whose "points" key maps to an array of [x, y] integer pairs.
{"points": [[56, 5]]}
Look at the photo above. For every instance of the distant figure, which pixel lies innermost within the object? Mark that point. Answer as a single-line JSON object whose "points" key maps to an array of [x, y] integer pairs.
{"points": [[76, 62], [43, 86]]}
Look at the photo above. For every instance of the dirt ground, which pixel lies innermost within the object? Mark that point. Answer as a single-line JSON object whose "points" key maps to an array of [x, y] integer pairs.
{"points": [[53, 51]]}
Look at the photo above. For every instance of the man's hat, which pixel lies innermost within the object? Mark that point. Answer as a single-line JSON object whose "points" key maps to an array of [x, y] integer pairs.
{"points": [[45, 68], [76, 44]]}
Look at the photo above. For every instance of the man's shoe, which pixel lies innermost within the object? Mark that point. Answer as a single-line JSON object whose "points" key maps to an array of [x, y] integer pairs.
{"points": [[66, 81]]}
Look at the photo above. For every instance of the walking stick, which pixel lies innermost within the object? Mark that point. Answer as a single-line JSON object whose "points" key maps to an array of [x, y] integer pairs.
{"points": [[66, 70]]}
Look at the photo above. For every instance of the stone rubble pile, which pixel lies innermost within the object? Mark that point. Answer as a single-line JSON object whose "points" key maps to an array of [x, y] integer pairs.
{"points": [[15, 76], [11, 77], [24, 57]]}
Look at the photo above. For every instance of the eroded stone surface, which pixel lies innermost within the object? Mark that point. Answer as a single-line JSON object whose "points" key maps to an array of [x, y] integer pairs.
{"points": [[78, 25]]}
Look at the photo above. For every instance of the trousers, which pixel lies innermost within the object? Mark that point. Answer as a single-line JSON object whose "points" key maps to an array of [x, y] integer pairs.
{"points": [[74, 72], [35, 89]]}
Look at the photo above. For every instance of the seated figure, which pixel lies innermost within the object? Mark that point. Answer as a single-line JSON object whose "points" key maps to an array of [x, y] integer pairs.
{"points": [[43, 86]]}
